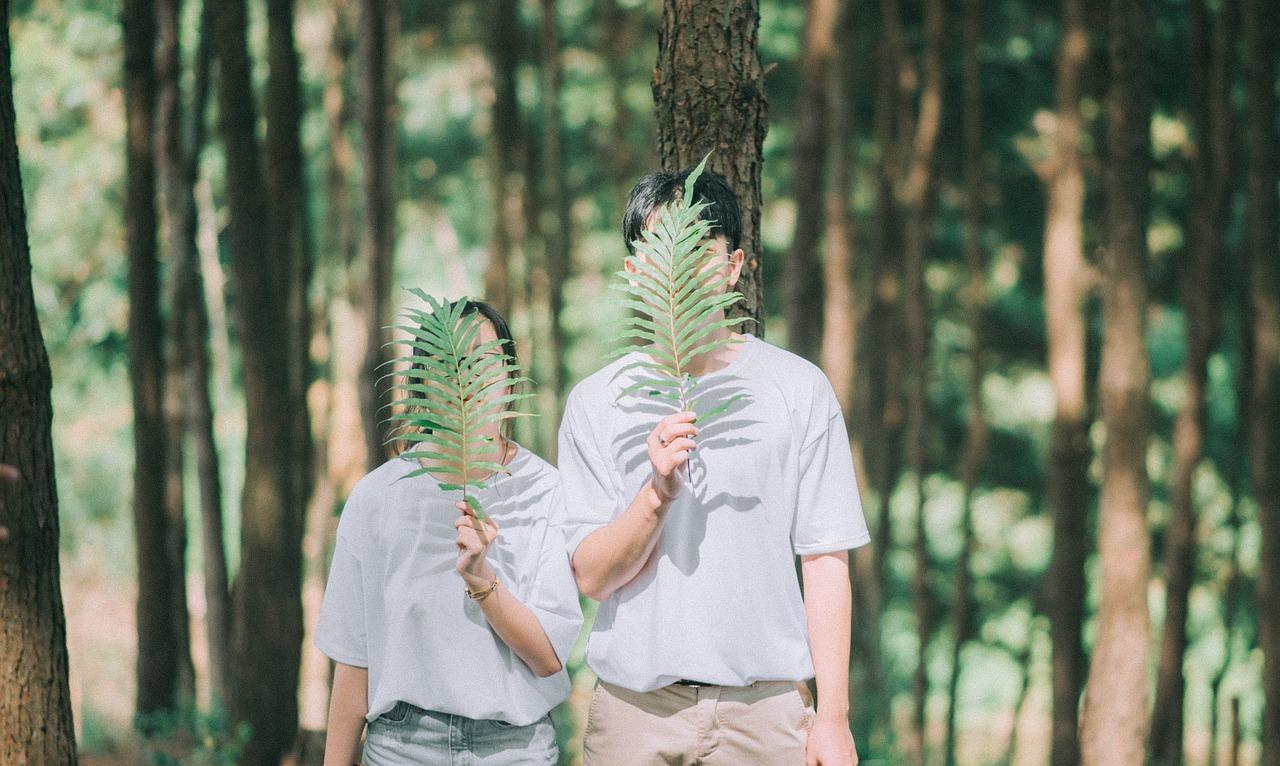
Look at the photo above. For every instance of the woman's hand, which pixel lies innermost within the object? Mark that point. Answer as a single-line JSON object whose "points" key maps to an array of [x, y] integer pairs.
{"points": [[670, 445], [474, 537]]}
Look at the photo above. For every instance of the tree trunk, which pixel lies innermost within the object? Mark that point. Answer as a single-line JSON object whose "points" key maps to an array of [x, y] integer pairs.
{"points": [[917, 193], [1263, 231], [504, 53], [559, 242], [189, 409], [1066, 287], [1115, 712], [708, 92], [803, 275], [379, 27], [267, 626], [975, 446], [159, 647], [35, 697], [1210, 198]]}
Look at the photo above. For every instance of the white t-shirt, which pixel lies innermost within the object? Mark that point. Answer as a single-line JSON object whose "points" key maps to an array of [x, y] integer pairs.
{"points": [[395, 604], [772, 478]]}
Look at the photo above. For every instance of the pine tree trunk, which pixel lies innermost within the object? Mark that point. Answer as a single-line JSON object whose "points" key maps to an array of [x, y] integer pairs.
{"points": [[975, 445], [159, 645], [504, 52], [559, 243], [802, 274], [1115, 712], [267, 610], [1262, 44], [708, 92], [35, 697], [1201, 293], [1066, 287], [918, 192], [379, 27]]}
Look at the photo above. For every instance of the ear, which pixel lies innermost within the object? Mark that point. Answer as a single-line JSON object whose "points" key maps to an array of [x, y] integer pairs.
{"points": [[628, 265], [736, 259]]}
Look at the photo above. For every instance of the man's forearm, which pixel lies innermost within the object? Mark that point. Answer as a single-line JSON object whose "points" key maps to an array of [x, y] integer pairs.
{"points": [[828, 606], [614, 554]]}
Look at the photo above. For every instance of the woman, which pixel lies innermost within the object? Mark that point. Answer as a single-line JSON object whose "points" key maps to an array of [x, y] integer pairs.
{"points": [[450, 635]]}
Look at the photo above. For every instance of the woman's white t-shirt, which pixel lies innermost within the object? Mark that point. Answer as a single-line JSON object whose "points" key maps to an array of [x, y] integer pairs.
{"points": [[772, 478], [395, 604]]}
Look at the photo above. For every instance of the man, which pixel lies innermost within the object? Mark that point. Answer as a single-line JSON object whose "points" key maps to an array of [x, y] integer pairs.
{"points": [[686, 535]]}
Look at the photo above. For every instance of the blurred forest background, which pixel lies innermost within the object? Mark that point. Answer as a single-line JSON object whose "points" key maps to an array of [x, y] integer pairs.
{"points": [[1033, 243]]}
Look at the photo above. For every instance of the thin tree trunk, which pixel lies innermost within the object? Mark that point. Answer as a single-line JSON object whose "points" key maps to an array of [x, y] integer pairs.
{"points": [[559, 243], [504, 52], [1115, 713], [1231, 587], [975, 446], [176, 357], [917, 193], [708, 92], [267, 610], [158, 640], [35, 696], [1024, 686], [1066, 288], [1211, 194], [1262, 44], [379, 28], [803, 274]]}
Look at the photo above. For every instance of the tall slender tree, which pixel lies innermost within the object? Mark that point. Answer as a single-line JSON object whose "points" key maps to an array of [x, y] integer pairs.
{"points": [[1201, 294], [1115, 711], [976, 434], [379, 28], [802, 274], [35, 696], [266, 634], [504, 55], [1262, 45], [708, 92], [1067, 279], [159, 646]]}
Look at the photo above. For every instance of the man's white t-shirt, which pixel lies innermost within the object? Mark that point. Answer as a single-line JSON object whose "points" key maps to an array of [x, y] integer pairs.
{"points": [[771, 478], [395, 604]]}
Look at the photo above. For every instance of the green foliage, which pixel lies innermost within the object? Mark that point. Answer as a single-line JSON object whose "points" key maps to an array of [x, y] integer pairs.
{"points": [[676, 294], [190, 737], [453, 386]]}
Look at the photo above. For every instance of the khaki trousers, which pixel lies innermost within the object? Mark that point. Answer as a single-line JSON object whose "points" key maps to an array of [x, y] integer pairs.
{"points": [[764, 724]]}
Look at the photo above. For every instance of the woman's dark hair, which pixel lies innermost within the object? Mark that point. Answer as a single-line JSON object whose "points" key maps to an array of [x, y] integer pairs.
{"points": [[501, 329], [658, 188]]}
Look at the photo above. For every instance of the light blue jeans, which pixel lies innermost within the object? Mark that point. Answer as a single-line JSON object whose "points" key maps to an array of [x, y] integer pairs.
{"points": [[407, 735]]}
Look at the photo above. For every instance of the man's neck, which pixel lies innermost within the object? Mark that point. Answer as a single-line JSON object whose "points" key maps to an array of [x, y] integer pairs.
{"points": [[717, 358]]}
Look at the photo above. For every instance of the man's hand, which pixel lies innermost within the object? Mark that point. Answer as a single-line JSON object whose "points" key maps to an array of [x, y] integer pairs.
{"points": [[830, 743], [473, 542], [669, 447]]}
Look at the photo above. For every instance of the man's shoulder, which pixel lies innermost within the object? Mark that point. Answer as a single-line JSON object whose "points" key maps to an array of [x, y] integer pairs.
{"points": [[788, 367], [600, 387]]}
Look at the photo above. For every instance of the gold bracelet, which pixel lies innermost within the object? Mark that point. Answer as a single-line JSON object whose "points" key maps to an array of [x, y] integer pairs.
{"points": [[481, 595]]}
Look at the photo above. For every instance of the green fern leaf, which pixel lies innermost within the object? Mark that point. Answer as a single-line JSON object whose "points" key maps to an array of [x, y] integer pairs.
{"points": [[449, 389]]}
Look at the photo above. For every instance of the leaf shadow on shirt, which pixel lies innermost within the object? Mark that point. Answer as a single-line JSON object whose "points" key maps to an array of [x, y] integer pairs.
{"points": [[724, 432]]}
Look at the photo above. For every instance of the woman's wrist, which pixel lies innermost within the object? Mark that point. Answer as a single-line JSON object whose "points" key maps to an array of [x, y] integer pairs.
{"points": [[479, 577]]}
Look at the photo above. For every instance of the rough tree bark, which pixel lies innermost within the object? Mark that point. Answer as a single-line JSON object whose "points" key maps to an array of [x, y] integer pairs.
{"points": [[1115, 711], [35, 697], [1066, 288], [1201, 295], [379, 27], [708, 92], [802, 273], [266, 634], [159, 645], [975, 446], [1262, 44]]}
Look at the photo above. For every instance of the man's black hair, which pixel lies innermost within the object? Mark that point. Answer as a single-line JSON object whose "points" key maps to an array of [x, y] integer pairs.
{"points": [[658, 188]]}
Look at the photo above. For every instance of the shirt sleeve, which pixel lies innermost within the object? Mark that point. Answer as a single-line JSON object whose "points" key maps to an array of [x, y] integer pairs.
{"points": [[829, 514], [554, 597], [589, 495], [340, 628]]}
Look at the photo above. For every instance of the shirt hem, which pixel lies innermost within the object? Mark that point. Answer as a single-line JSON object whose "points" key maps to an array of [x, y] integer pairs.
{"points": [[846, 544]]}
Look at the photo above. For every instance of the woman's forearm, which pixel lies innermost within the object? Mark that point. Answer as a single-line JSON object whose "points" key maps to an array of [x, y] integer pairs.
{"points": [[611, 556], [348, 706], [516, 624]]}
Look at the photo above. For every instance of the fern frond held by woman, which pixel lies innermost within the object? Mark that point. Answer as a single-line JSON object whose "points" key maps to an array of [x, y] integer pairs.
{"points": [[452, 386], [678, 300]]}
